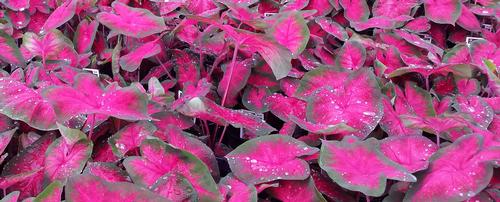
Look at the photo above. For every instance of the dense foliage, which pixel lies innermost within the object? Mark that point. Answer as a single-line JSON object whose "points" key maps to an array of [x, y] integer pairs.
{"points": [[250, 100]]}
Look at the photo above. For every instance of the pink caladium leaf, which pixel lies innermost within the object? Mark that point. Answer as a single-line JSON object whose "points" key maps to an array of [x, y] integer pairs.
{"points": [[253, 98], [476, 108], [190, 143], [443, 11], [85, 35], [270, 158], [234, 190], [9, 51], [234, 80], [130, 137], [296, 190], [411, 152], [9, 180], [355, 10], [392, 124], [419, 24], [456, 172], [392, 8], [48, 46], [332, 27], [67, 155], [468, 20], [29, 160], [158, 159], [51, 193], [131, 61], [420, 100], [87, 188], [16, 5], [419, 42], [291, 31], [352, 55], [106, 171], [481, 49], [277, 56], [129, 21], [88, 96], [11, 197], [61, 15], [357, 103], [317, 78], [19, 102], [457, 55], [207, 109], [349, 161]]}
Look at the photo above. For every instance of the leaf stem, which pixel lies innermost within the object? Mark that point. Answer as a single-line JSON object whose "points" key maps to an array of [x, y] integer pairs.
{"points": [[233, 62]]}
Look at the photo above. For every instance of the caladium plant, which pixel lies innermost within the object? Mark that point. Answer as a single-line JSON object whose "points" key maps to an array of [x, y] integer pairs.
{"points": [[223, 100]]}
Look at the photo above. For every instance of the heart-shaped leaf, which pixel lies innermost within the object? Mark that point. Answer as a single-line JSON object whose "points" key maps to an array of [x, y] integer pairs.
{"points": [[411, 152], [85, 35], [88, 96], [355, 10], [270, 158], [360, 165], [352, 55], [159, 159], [61, 15], [443, 11], [19, 102], [456, 172], [48, 46], [130, 137], [332, 27], [356, 103], [67, 155], [291, 31], [88, 188], [129, 21]]}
